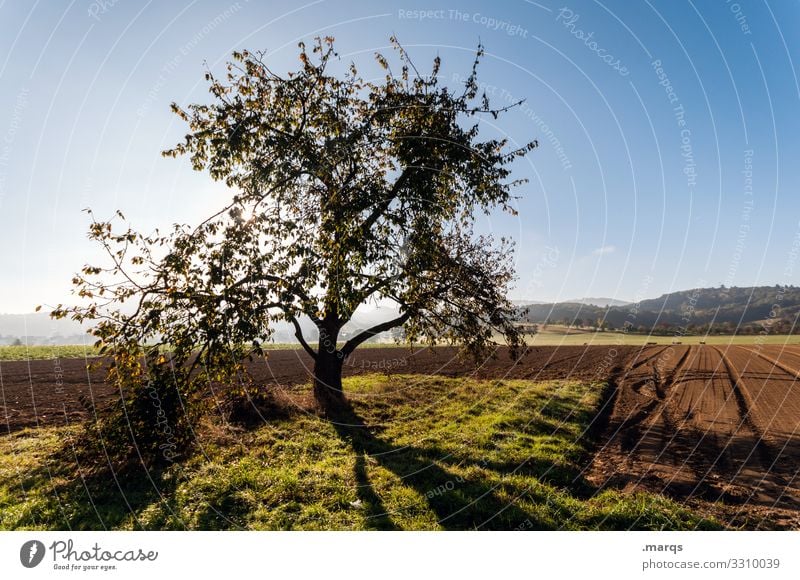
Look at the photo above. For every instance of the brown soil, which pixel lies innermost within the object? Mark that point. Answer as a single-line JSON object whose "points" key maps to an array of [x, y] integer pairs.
{"points": [[715, 426], [48, 392], [719, 424]]}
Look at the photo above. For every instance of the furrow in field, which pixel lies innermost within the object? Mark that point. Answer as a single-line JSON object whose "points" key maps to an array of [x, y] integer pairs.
{"points": [[704, 422]]}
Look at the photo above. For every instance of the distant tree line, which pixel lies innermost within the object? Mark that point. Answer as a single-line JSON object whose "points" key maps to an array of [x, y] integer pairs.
{"points": [[754, 310]]}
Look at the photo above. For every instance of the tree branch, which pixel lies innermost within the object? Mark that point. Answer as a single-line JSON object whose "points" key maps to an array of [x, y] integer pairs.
{"points": [[353, 343], [298, 332], [292, 287], [383, 205]]}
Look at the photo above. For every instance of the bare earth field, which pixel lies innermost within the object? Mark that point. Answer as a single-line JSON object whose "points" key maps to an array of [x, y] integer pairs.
{"points": [[700, 423], [49, 392], [708, 422]]}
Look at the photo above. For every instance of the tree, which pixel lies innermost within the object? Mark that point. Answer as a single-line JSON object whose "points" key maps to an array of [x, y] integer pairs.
{"points": [[345, 190]]}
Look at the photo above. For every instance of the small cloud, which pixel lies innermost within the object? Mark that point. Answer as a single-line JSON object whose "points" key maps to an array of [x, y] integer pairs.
{"points": [[604, 250]]}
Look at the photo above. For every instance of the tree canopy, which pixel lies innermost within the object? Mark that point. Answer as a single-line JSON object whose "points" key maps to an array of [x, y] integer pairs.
{"points": [[344, 191]]}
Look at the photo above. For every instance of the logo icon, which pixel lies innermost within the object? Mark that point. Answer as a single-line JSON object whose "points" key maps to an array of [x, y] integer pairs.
{"points": [[31, 553]]}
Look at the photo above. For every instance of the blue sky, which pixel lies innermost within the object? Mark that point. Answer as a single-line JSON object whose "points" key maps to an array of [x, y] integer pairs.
{"points": [[668, 129]]}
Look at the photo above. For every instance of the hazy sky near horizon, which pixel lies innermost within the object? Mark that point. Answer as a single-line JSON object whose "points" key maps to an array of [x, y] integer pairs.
{"points": [[668, 130]]}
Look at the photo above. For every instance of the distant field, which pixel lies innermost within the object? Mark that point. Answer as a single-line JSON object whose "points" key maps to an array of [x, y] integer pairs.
{"points": [[46, 352], [552, 336], [42, 352], [559, 335]]}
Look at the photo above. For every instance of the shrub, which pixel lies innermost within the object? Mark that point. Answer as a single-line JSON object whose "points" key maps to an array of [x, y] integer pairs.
{"points": [[152, 420]]}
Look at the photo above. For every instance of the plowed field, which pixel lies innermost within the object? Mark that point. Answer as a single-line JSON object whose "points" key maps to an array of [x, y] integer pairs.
{"points": [[717, 423], [701, 422], [49, 392]]}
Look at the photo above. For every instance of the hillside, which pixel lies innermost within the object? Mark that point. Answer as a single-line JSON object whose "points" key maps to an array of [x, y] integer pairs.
{"points": [[603, 302], [732, 309]]}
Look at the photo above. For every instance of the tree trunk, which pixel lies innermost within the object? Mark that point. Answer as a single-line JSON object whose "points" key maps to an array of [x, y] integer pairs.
{"points": [[328, 376]]}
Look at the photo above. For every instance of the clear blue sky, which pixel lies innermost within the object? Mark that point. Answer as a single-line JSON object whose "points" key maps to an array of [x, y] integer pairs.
{"points": [[624, 201]]}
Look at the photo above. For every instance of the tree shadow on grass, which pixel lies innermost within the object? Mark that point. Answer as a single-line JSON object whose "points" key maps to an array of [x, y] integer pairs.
{"points": [[377, 516], [459, 503], [77, 493]]}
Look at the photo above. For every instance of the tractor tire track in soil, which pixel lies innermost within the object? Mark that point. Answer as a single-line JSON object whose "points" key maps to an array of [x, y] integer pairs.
{"points": [[707, 423], [699, 423]]}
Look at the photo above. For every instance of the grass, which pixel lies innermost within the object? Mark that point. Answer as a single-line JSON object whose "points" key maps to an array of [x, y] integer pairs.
{"points": [[415, 453], [37, 352]]}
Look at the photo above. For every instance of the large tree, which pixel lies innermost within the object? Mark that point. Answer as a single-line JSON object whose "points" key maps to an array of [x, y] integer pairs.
{"points": [[343, 191]]}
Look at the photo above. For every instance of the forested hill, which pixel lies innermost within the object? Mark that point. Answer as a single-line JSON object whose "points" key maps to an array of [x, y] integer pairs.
{"points": [[693, 310]]}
